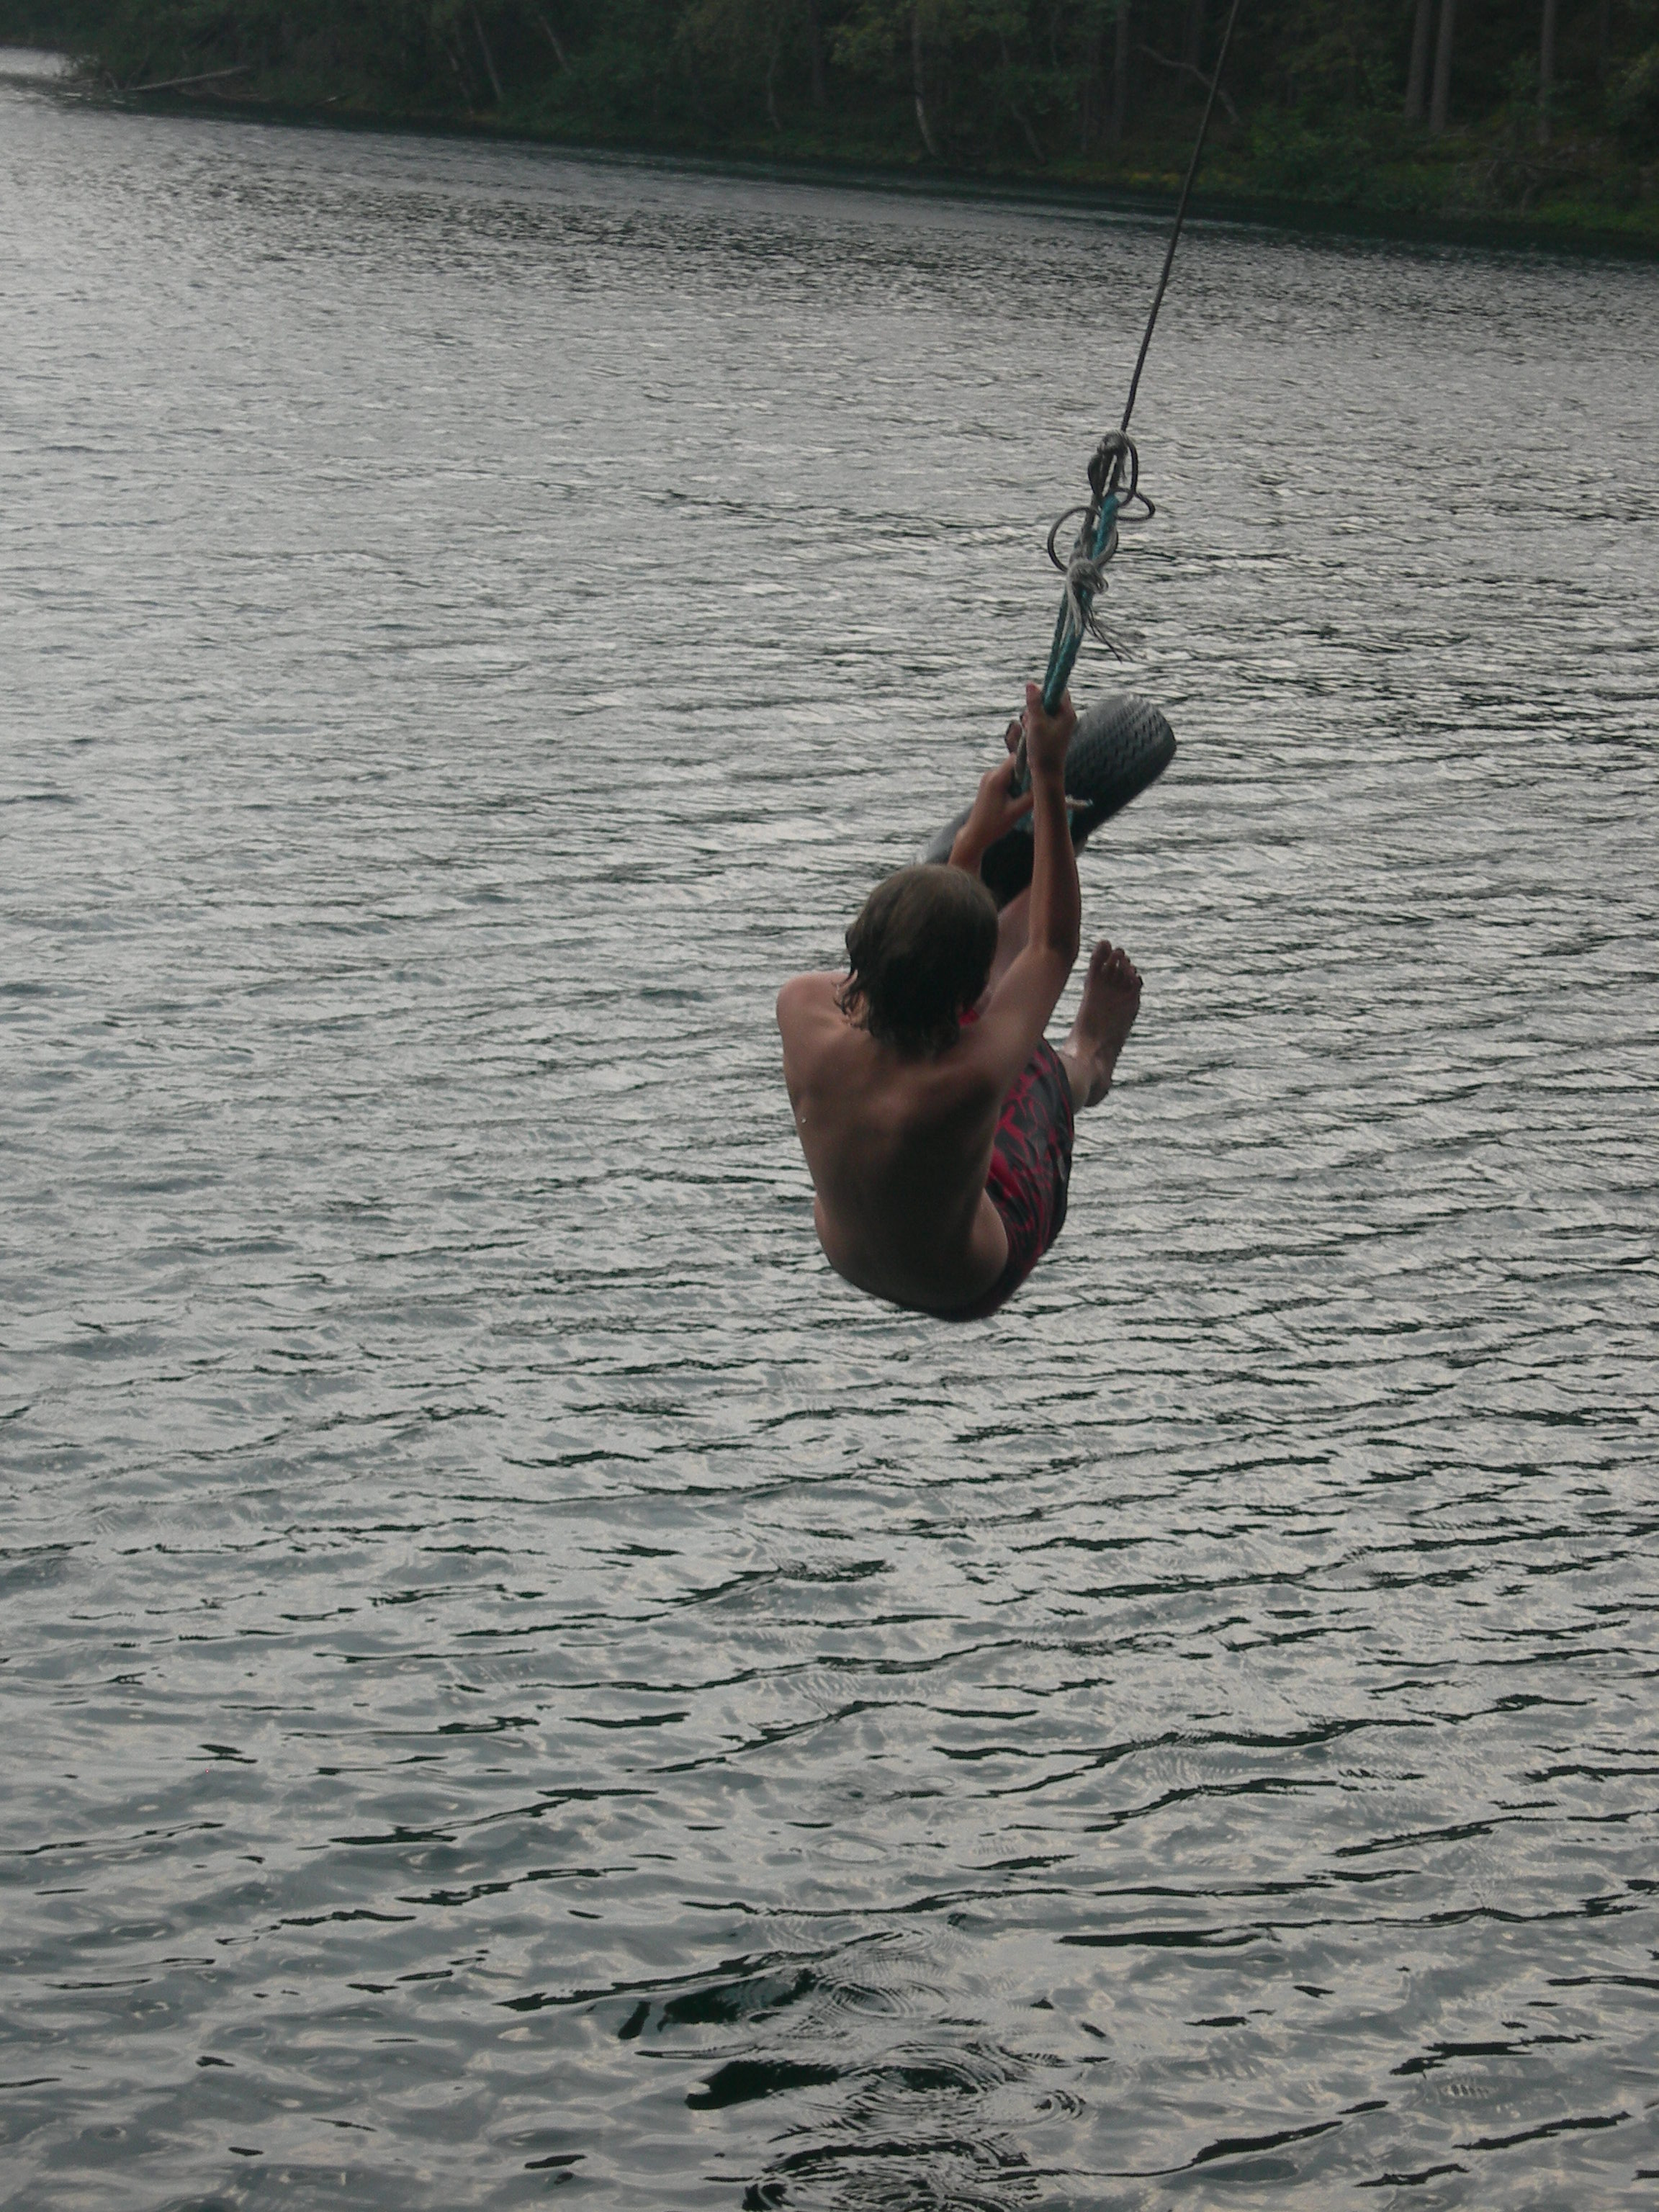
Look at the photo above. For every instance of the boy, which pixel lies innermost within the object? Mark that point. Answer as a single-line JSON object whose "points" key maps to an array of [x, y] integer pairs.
{"points": [[936, 1118]]}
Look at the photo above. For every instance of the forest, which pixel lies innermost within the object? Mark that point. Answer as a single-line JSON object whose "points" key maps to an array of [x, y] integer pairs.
{"points": [[1545, 112]]}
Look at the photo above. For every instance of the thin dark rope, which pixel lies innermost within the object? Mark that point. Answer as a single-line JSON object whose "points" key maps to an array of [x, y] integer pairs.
{"points": [[1180, 216], [1110, 498]]}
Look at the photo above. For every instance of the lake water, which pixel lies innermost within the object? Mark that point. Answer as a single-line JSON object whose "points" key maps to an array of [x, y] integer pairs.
{"points": [[515, 1679]]}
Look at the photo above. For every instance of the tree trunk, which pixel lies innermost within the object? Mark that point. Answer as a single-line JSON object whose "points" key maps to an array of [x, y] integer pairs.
{"points": [[1086, 97], [1545, 72], [1121, 74], [694, 85], [1441, 102], [551, 35], [1185, 69], [1417, 77], [1192, 44], [772, 81], [1019, 112], [489, 61], [815, 52], [461, 77], [1031, 136], [920, 82]]}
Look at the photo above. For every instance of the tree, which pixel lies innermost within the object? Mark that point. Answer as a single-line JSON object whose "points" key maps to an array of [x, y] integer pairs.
{"points": [[1442, 61], [919, 78], [929, 39], [1417, 75], [748, 41], [543, 24], [1121, 51], [1545, 71]]}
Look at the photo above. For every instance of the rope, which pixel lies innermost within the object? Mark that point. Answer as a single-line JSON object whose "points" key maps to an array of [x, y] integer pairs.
{"points": [[1097, 536], [1085, 577], [1181, 215]]}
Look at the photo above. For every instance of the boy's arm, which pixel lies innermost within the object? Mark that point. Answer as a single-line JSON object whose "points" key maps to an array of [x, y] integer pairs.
{"points": [[1056, 900], [997, 806], [1006, 1034]]}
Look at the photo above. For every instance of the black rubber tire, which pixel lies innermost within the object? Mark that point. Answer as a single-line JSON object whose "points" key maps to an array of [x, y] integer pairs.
{"points": [[1121, 745]]}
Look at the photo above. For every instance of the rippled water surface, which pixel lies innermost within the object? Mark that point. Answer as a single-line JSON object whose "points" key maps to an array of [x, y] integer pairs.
{"points": [[515, 1679]]}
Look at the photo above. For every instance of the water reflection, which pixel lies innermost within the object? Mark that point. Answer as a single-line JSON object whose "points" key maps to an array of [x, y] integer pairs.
{"points": [[516, 1678]]}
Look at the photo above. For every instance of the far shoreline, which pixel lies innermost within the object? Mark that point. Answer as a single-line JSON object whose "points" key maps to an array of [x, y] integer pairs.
{"points": [[1015, 187]]}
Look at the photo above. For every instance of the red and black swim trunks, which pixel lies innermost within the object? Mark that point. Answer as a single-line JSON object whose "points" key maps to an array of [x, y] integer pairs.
{"points": [[1030, 1173]]}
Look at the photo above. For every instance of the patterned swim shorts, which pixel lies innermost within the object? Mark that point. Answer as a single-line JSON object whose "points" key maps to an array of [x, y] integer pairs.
{"points": [[1030, 1173]]}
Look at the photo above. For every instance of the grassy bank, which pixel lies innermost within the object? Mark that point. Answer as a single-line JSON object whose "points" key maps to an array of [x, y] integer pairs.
{"points": [[801, 83]]}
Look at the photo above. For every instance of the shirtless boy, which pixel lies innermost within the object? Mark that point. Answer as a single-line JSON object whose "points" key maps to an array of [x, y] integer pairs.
{"points": [[935, 1116]]}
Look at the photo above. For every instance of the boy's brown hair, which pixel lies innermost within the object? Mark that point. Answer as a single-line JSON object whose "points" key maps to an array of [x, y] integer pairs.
{"points": [[921, 950]]}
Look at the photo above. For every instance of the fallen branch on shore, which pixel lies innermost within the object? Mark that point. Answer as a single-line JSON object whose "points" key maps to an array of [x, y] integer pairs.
{"points": [[178, 83]]}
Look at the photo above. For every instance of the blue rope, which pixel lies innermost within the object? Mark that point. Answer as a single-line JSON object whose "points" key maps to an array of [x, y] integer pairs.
{"points": [[1080, 591]]}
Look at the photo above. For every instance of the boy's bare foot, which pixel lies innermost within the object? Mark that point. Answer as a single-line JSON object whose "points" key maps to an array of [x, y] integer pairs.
{"points": [[1111, 999]]}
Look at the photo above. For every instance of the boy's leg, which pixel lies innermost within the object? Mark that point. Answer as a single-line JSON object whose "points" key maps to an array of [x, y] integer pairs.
{"points": [[1111, 999]]}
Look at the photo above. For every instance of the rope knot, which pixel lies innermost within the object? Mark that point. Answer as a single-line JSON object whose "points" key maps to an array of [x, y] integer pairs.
{"points": [[1086, 579]]}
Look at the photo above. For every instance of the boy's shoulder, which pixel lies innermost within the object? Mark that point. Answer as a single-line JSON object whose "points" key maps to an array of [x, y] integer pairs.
{"points": [[809, 1002]]}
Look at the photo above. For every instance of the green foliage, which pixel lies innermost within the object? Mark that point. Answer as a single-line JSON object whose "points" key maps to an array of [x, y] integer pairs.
{"points": [[1315, 88], [1633, 103], [1290, 159], [1334, 55], [70, 25], [868, 43]]}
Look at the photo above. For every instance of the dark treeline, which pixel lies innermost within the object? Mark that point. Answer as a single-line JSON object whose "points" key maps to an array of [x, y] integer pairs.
{"points": [[1464, 104]]}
